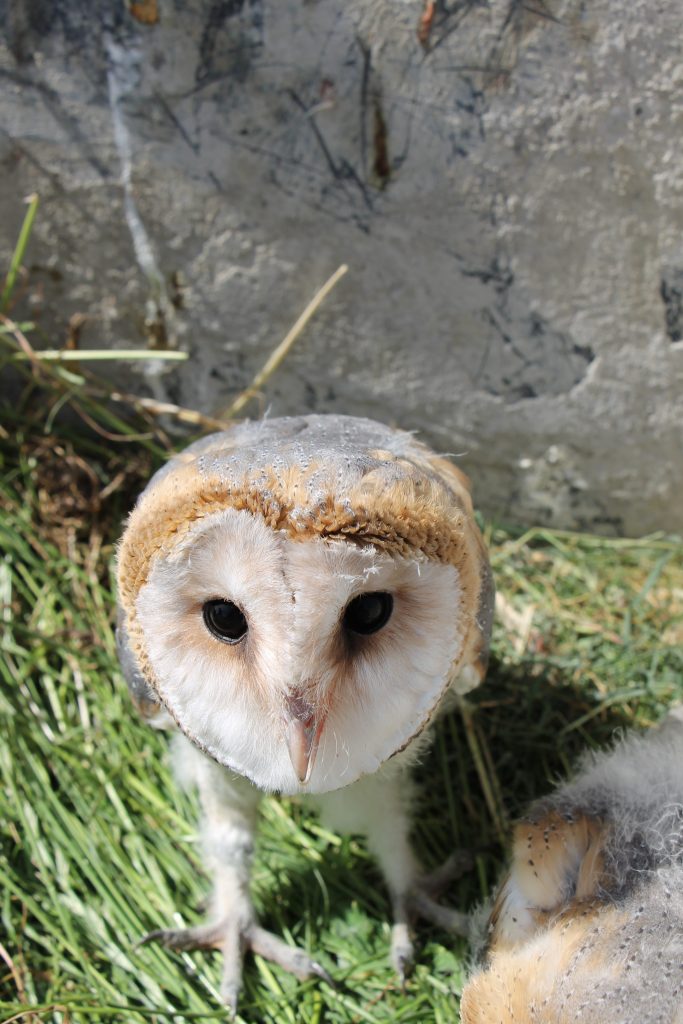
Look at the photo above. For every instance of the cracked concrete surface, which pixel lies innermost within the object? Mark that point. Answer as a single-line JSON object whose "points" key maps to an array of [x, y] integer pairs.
{"points": [[509, 199]]}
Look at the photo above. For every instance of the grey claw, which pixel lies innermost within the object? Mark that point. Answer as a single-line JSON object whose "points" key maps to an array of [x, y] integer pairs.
{"points": [[403, 966], [320, 972], [158, 935]]}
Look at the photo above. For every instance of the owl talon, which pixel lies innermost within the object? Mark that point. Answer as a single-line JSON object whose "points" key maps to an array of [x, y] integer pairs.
{"points": [[292, 959], [403, 968], [321, 973]]}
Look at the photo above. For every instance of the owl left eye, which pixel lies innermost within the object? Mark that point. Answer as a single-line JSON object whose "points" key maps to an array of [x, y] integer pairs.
{"points": [[368, 613], [225, 620]]}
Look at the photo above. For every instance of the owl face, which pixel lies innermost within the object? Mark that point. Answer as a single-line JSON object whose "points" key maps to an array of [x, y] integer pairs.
{"points": [[299, 594], [302, 664]]}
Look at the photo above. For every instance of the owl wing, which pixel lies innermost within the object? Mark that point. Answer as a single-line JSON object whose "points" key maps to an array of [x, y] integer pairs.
{"points": [[553, 857]]}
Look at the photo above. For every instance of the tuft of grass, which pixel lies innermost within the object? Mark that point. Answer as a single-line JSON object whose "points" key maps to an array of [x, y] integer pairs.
{"points": [[99, 844], [19, 251]]}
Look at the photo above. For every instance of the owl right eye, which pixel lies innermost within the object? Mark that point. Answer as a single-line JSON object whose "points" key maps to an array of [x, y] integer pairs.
{"points": [[225, 621], [368, 613]]}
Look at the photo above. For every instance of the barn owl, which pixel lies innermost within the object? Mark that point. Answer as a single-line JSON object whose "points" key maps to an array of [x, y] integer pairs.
{"points": [[588, 924], [300, 597]]}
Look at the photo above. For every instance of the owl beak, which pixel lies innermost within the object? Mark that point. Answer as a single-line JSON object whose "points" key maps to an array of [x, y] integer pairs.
{"points": [[303, 726]]}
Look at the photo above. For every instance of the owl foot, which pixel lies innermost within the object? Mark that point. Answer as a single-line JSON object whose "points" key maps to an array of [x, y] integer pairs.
{"points": [[233, 942], [402, 951], [421, 902], [421, 905]]}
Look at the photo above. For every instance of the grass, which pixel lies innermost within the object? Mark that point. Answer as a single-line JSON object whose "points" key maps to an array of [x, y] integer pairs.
{"points": [[100, 845]]}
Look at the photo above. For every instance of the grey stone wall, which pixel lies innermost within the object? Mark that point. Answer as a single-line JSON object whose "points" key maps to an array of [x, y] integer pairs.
{"points": [[508, 195]]}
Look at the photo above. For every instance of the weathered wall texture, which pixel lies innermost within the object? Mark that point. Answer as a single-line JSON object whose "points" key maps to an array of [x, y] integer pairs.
{"points": [[510, 202]]}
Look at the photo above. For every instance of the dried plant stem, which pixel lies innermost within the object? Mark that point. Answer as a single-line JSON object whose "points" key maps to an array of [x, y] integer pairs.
{"points": [[74, 355], [285, 345], [489, 788], [151, 405]]}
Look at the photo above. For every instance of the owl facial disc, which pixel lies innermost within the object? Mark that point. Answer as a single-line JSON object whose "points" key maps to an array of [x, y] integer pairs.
{"points": [[301, 701]]}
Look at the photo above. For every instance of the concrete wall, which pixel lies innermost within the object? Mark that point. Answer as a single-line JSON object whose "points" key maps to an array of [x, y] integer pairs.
{"points": [[509, 198]]}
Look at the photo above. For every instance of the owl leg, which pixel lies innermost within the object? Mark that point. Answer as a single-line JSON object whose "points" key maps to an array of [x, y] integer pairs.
{"points": [[389, 842], [378, 807], [412, 892], [229, 806]]}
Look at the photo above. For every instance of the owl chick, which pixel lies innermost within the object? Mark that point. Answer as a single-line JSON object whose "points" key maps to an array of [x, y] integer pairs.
{"points": [[301, 597], [588, 924]]}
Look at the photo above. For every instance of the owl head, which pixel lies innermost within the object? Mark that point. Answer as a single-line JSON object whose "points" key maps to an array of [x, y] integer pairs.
{"points": [[300, 593]]}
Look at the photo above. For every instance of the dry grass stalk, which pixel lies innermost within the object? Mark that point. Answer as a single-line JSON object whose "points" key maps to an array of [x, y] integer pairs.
{"points": [[276, 357]]}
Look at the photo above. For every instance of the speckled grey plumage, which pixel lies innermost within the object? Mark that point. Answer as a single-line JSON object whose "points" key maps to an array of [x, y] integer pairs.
{"points": [[638, 974], [338, 446], [637, 789]]}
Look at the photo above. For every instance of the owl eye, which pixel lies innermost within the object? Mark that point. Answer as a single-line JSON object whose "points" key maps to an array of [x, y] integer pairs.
{"points": [[225, 620], [368, 613]]}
